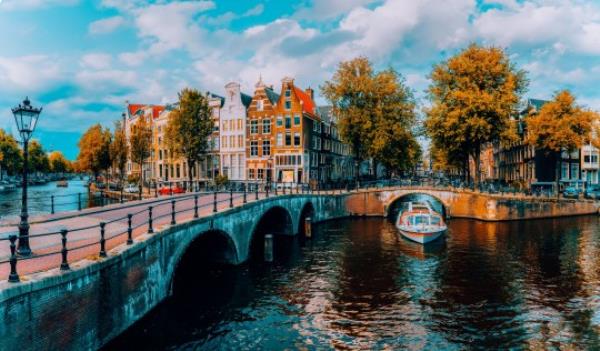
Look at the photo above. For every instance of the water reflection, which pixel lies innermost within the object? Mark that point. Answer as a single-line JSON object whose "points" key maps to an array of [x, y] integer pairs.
{"points": [[357, 284]]}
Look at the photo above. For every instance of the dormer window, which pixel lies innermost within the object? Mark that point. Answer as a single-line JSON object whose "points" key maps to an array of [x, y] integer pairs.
{"points": [[288, 93], [288, 105]]}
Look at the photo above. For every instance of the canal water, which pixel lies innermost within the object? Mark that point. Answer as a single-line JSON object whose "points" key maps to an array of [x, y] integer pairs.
{"points": [[358, 285], [39, 199]]}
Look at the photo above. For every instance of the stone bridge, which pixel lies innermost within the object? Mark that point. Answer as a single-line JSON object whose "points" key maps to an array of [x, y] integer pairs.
{"points": [[98, 297]]}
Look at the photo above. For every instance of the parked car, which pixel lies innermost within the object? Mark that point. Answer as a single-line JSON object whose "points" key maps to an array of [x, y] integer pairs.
{"points": [[132, 189], [571, 192], [592, 192], [165, 190]]}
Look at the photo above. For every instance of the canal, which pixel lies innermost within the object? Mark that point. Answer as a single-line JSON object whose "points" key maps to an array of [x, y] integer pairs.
{"points": [[40, 199], [358, 285]]}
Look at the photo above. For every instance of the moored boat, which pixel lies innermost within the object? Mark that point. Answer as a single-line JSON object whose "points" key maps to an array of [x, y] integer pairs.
{"points": [[420, 223], [62, 184]]}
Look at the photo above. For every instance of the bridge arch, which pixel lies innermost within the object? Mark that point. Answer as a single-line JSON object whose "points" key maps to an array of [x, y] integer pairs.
{"points": [[393, 205], [276, 220], [209, 246], [308, 210]]}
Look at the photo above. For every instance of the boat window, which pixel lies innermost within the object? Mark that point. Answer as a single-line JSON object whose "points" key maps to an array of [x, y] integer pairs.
{"points": [[435, 220], [421, 220]]}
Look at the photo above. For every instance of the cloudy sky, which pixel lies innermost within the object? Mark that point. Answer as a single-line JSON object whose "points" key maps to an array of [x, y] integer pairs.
{"points": [[82, 59]]}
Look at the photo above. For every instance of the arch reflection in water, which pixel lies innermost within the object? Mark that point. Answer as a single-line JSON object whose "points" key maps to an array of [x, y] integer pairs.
{"points": [[515, 285]]}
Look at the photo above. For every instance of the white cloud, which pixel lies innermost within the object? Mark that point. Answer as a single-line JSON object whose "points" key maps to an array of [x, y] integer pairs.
{"points": [[29, 73], [327, 9], [133, 58], [106, 25], [9, 5], [96, 61]]}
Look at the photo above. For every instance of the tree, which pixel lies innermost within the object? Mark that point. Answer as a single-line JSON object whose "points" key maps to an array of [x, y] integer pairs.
{"points": [[119, 150], [376, 112], [560, 125], [473, 98], [189, 128], [38, 159], [94, 150], [12, 159], [393, 141], [140, 142], [58, 162]]}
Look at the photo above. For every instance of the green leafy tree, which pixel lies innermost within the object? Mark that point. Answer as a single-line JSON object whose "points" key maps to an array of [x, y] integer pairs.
{"points": [[12, 159], [376, 112], [189, 128], [560, 125], [119, 150], [94, 150], [473, 97], [140, 141]]}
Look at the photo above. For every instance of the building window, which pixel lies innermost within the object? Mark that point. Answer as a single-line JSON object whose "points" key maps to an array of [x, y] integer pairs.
{"points": [[288, 93], [574, 171], [565, 170], [253, 127], [261, 173], [178, 171], [254, 148], [288, 122], [160, 154], [224, 141], [279, 139], [260, 105], [279, 121], [288, 138], [266, 144], [251, 173], [266, 126], [288, 105], [297, 139], [297, 120]]}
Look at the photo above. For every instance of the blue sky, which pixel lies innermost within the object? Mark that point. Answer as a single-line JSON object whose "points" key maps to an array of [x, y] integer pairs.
{"points": [[82, 59]]}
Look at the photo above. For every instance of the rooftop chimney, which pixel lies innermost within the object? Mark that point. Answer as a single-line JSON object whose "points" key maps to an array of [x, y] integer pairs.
{"points": [[310, 93]]}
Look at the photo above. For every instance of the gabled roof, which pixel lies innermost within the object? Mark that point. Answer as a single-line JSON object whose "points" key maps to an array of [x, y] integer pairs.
{"points": [[536, 103], [215, 96], [273, 96], [134, 108], [156, 110], [246, 100], [308, 105]]}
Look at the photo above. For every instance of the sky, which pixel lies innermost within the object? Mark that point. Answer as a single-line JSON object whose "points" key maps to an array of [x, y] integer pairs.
{"points": [[81, 60]]}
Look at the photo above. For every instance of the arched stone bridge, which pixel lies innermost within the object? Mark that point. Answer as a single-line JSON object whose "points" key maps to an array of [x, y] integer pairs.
{"points": [[98, 298]]}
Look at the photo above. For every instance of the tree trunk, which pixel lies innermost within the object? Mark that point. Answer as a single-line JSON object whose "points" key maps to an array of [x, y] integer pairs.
{"points": [[141, 178], [477, 159], [190, 166], [558, 174]]}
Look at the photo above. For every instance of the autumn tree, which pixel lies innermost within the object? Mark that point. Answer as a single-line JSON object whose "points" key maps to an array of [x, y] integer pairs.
{"points": [[560, 125], [94, 150], [58, 162], [189, 128], [393, 142], [119, 150], [140, 142], [473, 98], [12, 159], [38, 159], [376, 112]]}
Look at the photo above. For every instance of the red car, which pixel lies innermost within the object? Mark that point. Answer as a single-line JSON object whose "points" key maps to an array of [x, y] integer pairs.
{"points": [[169, 191]]}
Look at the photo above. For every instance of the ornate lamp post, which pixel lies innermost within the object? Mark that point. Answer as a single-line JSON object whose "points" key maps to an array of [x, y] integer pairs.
{"points": [[26, 117]]}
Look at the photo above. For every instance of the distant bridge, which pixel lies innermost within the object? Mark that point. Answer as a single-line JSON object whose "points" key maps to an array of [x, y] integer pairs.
{"points": [[96, 272]]}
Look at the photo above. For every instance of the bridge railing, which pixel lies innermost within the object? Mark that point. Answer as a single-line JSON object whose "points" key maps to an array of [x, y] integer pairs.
{"points": [[163, 211]]}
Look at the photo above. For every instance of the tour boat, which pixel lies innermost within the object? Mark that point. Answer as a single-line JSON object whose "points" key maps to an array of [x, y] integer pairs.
{"points": [[62, 184], [420, 223]]}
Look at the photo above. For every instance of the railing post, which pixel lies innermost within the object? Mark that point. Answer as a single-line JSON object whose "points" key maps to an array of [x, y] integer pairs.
{"points": [[173, 212], [150, 229], [230, 197], [245, 200], [102, 240], [155, 189], [214, 201], [64, 266], [275, 187], [256, 191], [171, 188], [101, 198], [13, 277], [129, 230], [266, 191], [297, 188], [121, 194], [51, 204], [78, 201], [196, 206], [283, 188]]}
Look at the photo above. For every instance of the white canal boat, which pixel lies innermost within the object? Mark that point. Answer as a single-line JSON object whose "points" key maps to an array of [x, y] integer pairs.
{"points": [[420, 223]]}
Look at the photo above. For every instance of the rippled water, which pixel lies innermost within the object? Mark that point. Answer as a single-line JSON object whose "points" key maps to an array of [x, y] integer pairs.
{"points": [[358, 285]]}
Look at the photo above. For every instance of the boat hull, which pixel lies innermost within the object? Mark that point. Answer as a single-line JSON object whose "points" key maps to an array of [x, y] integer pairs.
{"points": [[421, 237]]}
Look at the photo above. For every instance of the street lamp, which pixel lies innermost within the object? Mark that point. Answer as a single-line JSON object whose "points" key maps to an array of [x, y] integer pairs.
{"points": [[26, 117]]}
